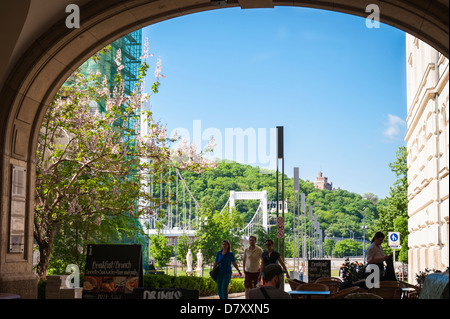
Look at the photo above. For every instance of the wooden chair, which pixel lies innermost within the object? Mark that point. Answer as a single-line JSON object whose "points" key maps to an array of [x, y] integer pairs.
{"points": [[293, 284], [362, 295], [313, 287], [336, 279], [390, 283], [387, 292], [333, 285], [344, 292]]}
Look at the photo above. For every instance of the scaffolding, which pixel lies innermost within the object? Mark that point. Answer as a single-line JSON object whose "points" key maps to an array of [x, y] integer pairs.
{"points": [[131, 50]]}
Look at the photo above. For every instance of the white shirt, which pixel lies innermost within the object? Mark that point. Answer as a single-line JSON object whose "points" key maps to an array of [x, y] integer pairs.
{"points": [[252, 259], [374, 252]]}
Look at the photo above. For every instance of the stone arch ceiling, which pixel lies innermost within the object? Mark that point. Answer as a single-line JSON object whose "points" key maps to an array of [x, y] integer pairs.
{"points": [[417, 17], [39, 51]]}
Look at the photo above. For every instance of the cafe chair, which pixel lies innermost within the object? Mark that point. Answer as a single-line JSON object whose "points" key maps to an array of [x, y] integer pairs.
{"points": [[344, 292], [408, 291], [387, 292], [333, 285], [363, 295], [390, 283], [294, 283], [336, 279], [313, 287]]}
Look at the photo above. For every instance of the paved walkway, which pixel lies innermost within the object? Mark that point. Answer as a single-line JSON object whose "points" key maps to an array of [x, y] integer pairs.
{"points": [[241, 295]]}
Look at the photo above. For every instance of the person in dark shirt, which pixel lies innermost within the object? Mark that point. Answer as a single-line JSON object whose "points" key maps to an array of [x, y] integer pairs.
{"points": [[271, 288], [271, 256]]}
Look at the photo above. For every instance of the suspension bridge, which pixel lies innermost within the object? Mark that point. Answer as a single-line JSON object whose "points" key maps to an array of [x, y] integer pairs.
{"points": [[182, 218]]}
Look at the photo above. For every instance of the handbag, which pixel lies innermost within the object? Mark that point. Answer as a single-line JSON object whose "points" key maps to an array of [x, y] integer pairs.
{"points": [[214, 273]]}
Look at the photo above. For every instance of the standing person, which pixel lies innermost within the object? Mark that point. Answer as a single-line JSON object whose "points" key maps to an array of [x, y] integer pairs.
{"points": [[272, 284], [301, 271], [375, 254], [224, 259], [271, 256], [251, 265], [341, 271]]}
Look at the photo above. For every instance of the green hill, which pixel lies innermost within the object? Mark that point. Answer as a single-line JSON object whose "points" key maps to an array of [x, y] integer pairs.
{"points": [[339, 212]]}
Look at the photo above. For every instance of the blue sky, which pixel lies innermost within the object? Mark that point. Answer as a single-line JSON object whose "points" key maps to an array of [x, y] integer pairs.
{"points": [[337, 87]]}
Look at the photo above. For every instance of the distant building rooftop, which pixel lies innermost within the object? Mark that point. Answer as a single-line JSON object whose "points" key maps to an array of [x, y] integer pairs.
{"points": [[322, 182]]}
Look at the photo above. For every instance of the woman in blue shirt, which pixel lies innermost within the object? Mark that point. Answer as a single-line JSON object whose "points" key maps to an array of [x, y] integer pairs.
{"points": [[224, 259]]}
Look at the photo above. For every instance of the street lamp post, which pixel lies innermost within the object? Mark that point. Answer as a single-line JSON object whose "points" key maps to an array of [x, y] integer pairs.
{"points": [[202, 225], [364, 235], [280, 155], [296, 176]]}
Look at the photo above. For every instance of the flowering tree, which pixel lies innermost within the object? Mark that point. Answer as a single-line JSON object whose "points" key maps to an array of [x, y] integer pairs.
{"points": [[91, 166]]}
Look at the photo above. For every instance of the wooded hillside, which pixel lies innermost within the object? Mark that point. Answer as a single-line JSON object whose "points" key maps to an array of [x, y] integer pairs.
{"points": [[339, 212]]}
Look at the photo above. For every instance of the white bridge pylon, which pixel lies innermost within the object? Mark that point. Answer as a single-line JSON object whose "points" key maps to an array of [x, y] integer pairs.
{"points": [[261, 196]]}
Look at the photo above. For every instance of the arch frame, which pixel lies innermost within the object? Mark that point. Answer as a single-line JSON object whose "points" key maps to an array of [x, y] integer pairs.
{"points": [[29, 87]]}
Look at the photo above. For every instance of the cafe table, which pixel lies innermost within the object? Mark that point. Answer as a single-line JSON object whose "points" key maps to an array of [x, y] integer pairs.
{"points": [[9, 296], [308, 293], [406, 291]]}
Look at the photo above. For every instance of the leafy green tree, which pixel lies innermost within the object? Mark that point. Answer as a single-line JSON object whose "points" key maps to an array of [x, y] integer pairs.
{"points": [[401, 225], [160, 250], [347, 247], [372, 197], [183, 245], [216, 227], [393, 214], [328, 246]]}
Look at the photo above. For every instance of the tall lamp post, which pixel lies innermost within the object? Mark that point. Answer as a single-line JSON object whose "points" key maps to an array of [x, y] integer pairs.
{"points": [[280, 223], [202, 225], [280, 155], [296, 172], [364, 235]]}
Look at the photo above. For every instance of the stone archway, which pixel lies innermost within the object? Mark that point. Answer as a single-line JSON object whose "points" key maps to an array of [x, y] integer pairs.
{"points": [[34, 72]]}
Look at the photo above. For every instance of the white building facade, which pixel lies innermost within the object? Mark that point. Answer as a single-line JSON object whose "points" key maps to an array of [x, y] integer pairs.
{"points": [[428, 158]]}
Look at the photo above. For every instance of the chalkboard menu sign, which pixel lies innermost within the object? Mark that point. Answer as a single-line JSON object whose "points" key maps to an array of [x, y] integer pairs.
{"points": [[112, 271], [318, 268], [165, 293]]}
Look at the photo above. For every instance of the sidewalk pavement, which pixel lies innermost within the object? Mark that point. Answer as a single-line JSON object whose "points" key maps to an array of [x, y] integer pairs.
{"points": [[241, 295]]}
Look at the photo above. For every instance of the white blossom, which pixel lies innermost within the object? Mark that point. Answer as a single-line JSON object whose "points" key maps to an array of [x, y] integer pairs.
{"points": [[158, 70]]}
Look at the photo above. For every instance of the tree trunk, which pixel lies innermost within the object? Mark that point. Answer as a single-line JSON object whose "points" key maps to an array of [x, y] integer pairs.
{"points": [[45, 246]]}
